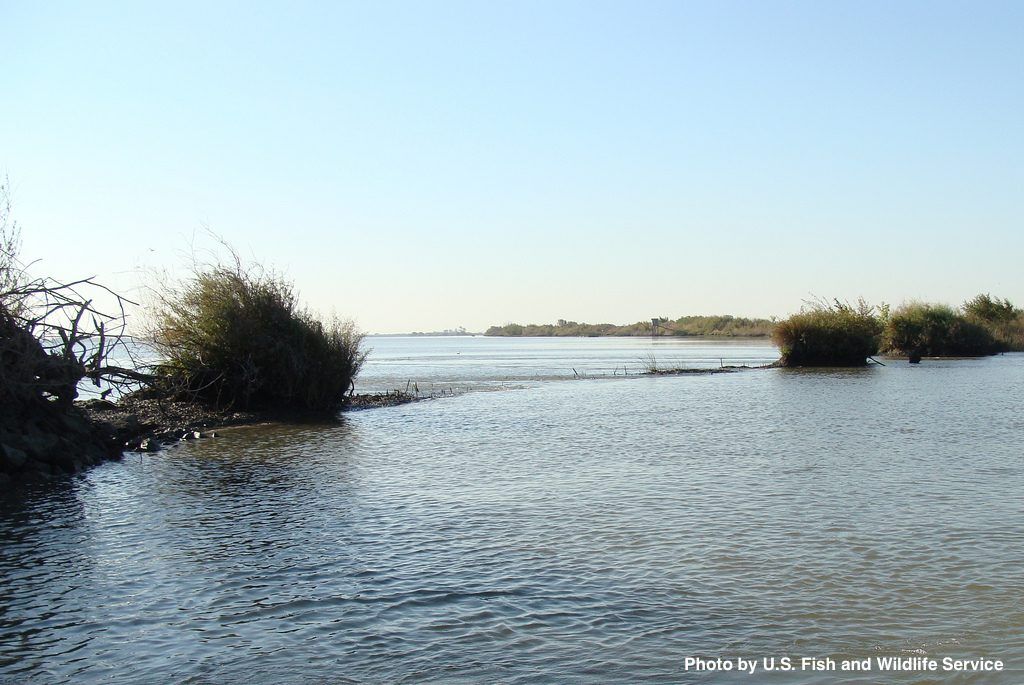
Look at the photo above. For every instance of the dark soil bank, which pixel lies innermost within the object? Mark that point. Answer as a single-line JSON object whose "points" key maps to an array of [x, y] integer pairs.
{"points": [[54, 439], [47, 440]]}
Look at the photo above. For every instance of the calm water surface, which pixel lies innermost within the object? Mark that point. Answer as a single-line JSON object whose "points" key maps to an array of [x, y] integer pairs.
{"points": [[596, 530], [441, 364]]}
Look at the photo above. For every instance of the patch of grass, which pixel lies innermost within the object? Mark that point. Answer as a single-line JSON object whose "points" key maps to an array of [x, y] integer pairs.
{"points": [[235, 336], [829, 334]]}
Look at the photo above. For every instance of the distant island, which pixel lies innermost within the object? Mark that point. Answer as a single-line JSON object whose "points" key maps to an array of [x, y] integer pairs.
{"points": [[721, 326]]}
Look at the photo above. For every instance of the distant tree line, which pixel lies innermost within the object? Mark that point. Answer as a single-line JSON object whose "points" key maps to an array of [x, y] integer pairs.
{"points": [[721, 325]]}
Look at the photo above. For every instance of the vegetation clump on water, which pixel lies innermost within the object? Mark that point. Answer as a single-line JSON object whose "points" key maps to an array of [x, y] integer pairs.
{"points": [[1004, 321], [234, 336], [920, 329], [837, 334], [829, 334]]}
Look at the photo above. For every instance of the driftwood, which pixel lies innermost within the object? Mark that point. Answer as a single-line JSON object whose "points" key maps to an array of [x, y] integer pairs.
{"points": [[52, 334], [74, 339]]}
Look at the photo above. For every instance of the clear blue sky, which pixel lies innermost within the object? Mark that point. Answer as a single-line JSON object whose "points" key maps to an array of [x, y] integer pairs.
{"points": [[422, 165]]}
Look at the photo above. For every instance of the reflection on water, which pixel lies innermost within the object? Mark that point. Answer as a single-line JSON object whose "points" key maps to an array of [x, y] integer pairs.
{"points": [[582, 531]]}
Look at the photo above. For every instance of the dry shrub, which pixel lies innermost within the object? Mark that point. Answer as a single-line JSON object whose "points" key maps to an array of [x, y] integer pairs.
{"points": [[235, 337]]}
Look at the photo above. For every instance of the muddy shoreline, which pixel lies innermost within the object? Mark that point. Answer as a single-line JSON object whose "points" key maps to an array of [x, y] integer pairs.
{"points": [[145, 422]]}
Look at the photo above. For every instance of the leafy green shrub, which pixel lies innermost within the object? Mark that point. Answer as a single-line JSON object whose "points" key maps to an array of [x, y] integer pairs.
{"points": [[824, 334], [236, 337], [1004, 321], [989, 309], [936, 330], [1010, 334]]}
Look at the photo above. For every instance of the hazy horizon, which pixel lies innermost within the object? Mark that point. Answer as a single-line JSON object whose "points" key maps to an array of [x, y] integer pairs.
{"points": [[422, 166]]}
